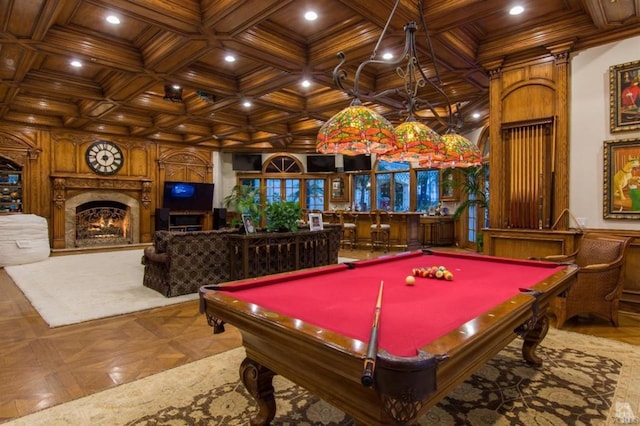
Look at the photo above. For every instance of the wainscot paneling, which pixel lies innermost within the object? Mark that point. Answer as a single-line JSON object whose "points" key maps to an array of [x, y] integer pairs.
{"points": [[524, 243]]}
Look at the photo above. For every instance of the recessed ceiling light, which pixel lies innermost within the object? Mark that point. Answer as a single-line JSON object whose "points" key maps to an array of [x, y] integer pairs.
{"points": [[75, 63], [230, 58], [516, 10], [306, 83], [112, 19], [476, 115], [246, 104], [386, 56], [311, 15]]}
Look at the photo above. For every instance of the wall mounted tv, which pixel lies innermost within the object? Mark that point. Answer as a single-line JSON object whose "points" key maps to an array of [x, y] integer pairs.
{"points": [[321, 163], [357, 163], [247, 162], [190, 196]]}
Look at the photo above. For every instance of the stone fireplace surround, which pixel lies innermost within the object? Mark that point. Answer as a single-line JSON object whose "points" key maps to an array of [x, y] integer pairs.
{"points": [[71, 191], [74, 202]]}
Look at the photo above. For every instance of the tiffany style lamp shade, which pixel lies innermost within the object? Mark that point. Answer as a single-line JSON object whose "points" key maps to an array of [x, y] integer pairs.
{"points": [[356, 130], [416, 142], [459, 152]]}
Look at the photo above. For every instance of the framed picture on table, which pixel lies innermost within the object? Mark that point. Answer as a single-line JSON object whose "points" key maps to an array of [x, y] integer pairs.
{"points": [[624, 96], [315, 221], [622, 179], [249, 226]]}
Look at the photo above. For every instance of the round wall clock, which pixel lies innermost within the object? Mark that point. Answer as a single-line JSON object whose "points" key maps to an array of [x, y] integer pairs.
{"points": [[104, 158]]}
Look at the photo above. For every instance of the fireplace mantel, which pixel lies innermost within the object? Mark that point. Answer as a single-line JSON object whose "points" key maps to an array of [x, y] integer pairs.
{"points": [[71, 188]]}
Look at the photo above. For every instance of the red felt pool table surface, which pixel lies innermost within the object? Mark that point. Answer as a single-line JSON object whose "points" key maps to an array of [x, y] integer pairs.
{"points": [[342, 300]]}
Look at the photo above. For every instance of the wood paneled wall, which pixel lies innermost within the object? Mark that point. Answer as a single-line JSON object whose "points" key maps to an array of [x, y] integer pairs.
{"points": [[526, 92], [45, 154], [521, 244]]}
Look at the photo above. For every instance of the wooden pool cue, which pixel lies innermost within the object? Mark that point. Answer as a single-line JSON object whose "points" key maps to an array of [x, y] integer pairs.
{"points": [[372, 351]]}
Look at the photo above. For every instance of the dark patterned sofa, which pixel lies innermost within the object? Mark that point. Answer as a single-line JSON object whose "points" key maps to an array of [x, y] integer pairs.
{"points": [[180, 262]]}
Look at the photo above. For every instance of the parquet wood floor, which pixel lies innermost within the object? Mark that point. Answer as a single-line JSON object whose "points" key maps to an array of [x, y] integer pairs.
{"points": [[41, 367]]}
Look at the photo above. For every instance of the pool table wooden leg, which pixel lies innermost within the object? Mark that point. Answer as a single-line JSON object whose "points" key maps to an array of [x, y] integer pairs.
{"points": [[259, 382], [532, 339]]}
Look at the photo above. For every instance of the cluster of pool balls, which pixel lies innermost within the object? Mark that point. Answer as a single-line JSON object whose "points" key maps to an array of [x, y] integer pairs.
{"points": [[435, 272]]}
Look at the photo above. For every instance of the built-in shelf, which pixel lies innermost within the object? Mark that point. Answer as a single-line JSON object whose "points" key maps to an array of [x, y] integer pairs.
{"points": [[10, 187]]}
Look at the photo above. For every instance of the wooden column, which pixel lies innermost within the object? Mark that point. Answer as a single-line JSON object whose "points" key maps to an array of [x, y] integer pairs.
{"points": [[497, 176], [561, 160]]}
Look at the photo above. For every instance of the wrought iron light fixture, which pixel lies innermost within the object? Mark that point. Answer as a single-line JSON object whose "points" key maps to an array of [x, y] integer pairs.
{"points": [[358, 129]]}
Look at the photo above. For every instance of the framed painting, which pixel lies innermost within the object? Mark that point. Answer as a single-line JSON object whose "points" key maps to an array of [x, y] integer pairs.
{"points": [[624, 96], [622, 179], [315, 221]]}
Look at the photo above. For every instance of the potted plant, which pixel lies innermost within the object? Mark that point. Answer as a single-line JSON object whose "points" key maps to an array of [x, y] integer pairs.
{"points": [[283, 216], [244, 199], [472, 187]]}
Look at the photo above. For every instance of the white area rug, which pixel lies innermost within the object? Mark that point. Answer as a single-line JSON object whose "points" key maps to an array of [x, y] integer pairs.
{"points": [[82, 287]]}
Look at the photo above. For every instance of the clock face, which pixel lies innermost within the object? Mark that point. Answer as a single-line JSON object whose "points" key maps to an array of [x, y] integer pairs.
{"points": [[104, 158]]}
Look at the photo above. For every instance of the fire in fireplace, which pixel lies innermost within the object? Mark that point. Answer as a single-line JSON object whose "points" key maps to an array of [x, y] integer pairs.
{"points": [[101, 223]]}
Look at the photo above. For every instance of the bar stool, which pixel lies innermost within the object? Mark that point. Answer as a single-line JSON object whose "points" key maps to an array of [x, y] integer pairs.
{"points": [[380, 230], [349, 228]]}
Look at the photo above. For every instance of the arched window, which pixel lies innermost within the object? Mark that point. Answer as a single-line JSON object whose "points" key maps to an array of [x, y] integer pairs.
{"points": [[282, 188], [282, 164]]}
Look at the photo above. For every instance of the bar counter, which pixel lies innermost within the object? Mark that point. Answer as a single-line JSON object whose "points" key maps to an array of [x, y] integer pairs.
{"points": [[405, 228]]}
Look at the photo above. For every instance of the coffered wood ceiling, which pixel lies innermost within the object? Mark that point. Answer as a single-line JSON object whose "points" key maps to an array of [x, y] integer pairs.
{"points": [[120, 88]]}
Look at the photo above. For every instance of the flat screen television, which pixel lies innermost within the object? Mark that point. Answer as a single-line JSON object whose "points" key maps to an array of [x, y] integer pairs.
{"points": [[321, 163], [247, 162], [190, 196], [357, 163]]}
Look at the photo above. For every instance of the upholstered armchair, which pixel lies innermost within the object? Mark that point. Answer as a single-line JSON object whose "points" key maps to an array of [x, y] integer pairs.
{"points": [[180, 262], [599, 281]]}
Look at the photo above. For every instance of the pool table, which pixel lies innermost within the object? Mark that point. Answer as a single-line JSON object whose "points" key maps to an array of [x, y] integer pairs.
{"points": [[313, 327]]}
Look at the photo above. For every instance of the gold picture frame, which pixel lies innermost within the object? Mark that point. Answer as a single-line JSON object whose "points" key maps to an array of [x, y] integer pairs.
{"points": [[624, 96], [622, 179]]}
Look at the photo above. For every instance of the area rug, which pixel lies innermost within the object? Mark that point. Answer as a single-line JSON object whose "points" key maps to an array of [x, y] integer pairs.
{"points": [[81, 287], [584, 381]]}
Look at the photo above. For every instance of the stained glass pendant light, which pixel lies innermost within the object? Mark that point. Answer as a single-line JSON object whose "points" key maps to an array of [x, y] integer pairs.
{"points": [[416, 142], [356, 130], [360, 130], [460, 152]]}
